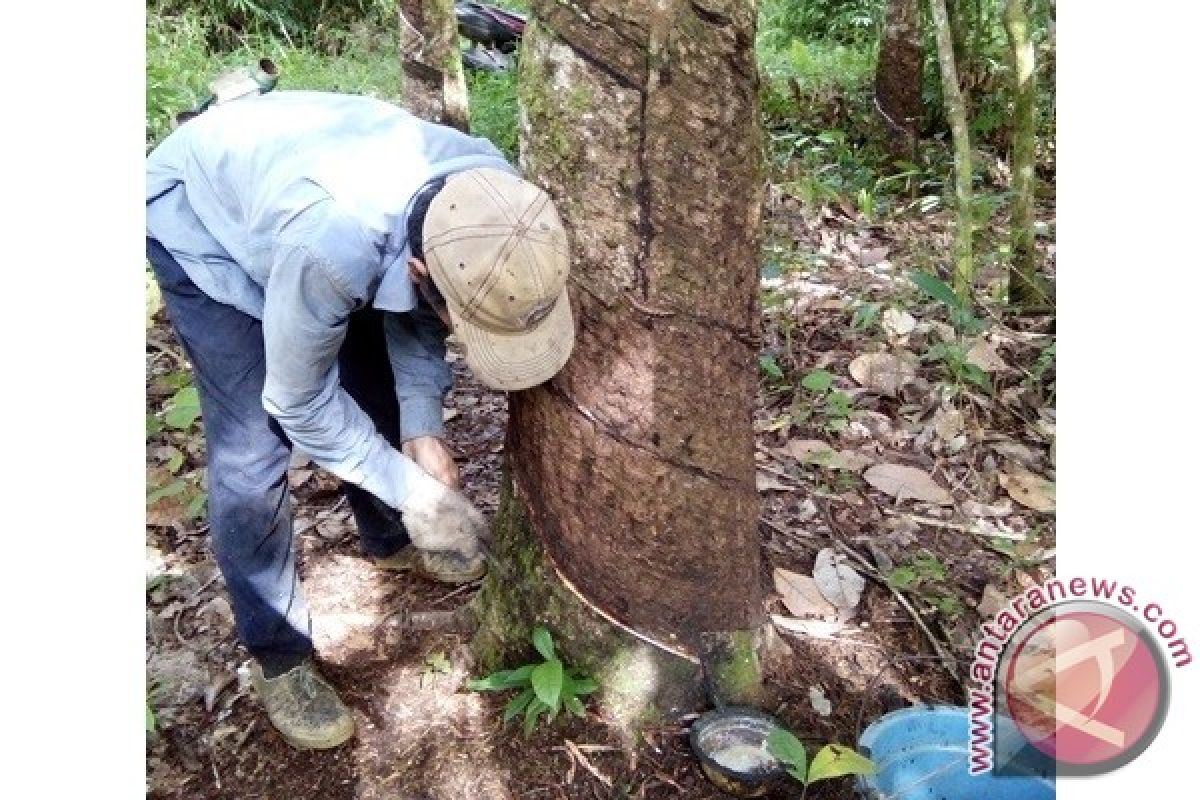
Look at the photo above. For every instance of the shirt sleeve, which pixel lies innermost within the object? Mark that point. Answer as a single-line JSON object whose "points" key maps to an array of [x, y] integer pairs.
{"points": [[416, 343], [304, 325]]}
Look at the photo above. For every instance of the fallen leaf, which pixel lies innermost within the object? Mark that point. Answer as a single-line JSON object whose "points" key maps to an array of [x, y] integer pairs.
{"points": [[765, 482], [882, 372], [898, 323], [983, 355], [837, 580], [948, 423], [810, 628], [872, 256], [820, 703], [903, 483], [801, 595], [991, 601], [1024, 454], [814, 451], [1031, 491], [214, 689], [973, 508], [806, 510]]}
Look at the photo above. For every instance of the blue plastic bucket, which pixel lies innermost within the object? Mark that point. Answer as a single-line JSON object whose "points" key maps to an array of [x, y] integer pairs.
{"points": [[921, 754]]}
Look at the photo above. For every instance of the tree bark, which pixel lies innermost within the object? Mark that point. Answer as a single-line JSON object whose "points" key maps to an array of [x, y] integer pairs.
{"points": [[434, 86], [956, 111], [898, 76], [629, 526], [1026, 288]]}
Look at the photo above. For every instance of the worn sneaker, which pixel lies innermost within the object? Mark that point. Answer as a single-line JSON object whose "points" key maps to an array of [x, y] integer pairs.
{"points": [[449, 568], [304, 708]]}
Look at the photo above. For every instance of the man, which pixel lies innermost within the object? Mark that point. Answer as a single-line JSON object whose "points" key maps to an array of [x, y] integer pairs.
{"points": [[312, 251]]}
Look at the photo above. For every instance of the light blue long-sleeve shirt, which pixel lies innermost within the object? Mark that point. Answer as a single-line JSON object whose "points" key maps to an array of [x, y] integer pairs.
{"points": [[293, 207]]}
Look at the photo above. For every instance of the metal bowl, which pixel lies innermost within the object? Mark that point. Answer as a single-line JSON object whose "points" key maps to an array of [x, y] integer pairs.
{"points": [[731, 744]]}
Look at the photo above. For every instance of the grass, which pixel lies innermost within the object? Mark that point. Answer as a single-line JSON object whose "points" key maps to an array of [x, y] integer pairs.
{"points": [[493, 98], [179, 67]]}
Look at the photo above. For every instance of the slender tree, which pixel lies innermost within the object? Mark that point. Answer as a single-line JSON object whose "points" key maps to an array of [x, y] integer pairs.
{"points": [[898, 76], [1026, 288], [434, 86], [956, 111], [628, 523]]}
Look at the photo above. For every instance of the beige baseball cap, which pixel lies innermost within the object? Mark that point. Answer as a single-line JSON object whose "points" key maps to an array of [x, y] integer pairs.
{"points": [[497, 251]]}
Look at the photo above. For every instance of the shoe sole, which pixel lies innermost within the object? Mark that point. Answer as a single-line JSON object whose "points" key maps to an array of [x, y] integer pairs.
{"points": [[447, 578], [323, 743]]}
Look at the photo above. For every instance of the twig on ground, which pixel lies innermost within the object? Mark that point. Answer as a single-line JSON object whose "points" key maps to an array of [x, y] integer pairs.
{"points": [[934, 522], [947, 659], [163, 347], [583, 762]]}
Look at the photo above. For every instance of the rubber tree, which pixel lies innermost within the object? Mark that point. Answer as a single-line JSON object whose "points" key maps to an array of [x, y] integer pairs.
{"points": [[628, 520], [898, 76], [434, 86], [1026, 287], [956, 112]]}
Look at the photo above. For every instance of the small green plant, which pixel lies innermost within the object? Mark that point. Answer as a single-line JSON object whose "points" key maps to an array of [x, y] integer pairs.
{"points": [[926, 577], [952, 356], [183, 409], [151, 720], [546, 687], [1044, 365], [435, 664], [771, 369], [921, 570], [831, 761], [820, 398], [865, 315], [961, 317]]}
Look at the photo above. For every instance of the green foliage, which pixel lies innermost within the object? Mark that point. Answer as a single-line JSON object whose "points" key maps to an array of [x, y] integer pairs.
{"points": [[182, 58], [151, 720], [865, 316], [927, 577], [546, 687], [819, 398], [960, 315], [921, 569], [952, 356], [302, 20], [183, 409], [771, 369], [493, 101], [435, 664], [845, 21], [1041, 375], [831, 761]]}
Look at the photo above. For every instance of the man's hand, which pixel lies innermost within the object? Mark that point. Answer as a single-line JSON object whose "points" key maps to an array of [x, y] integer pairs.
{"points": [[441, 519], [433, 456]]}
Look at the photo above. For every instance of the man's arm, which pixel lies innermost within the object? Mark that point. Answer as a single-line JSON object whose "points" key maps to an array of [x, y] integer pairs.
{"points": [[416, 344], [304, 325], [417, 350]]}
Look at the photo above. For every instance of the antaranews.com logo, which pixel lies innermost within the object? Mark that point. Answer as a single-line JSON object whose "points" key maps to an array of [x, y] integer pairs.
{"points": [[1071, 678]]}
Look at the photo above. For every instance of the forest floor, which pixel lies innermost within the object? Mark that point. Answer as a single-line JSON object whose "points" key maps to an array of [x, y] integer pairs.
{"points": [[897, 436], [940, 544]]}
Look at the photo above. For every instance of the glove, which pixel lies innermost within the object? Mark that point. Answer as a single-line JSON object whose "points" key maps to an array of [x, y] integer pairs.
{"points": [[441, 519]]}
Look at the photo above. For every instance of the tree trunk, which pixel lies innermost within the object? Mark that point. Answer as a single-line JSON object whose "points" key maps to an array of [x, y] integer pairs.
{"points": [[964, 265], [898, 76], [434, 86], [1026, 289], [629, 522]]}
